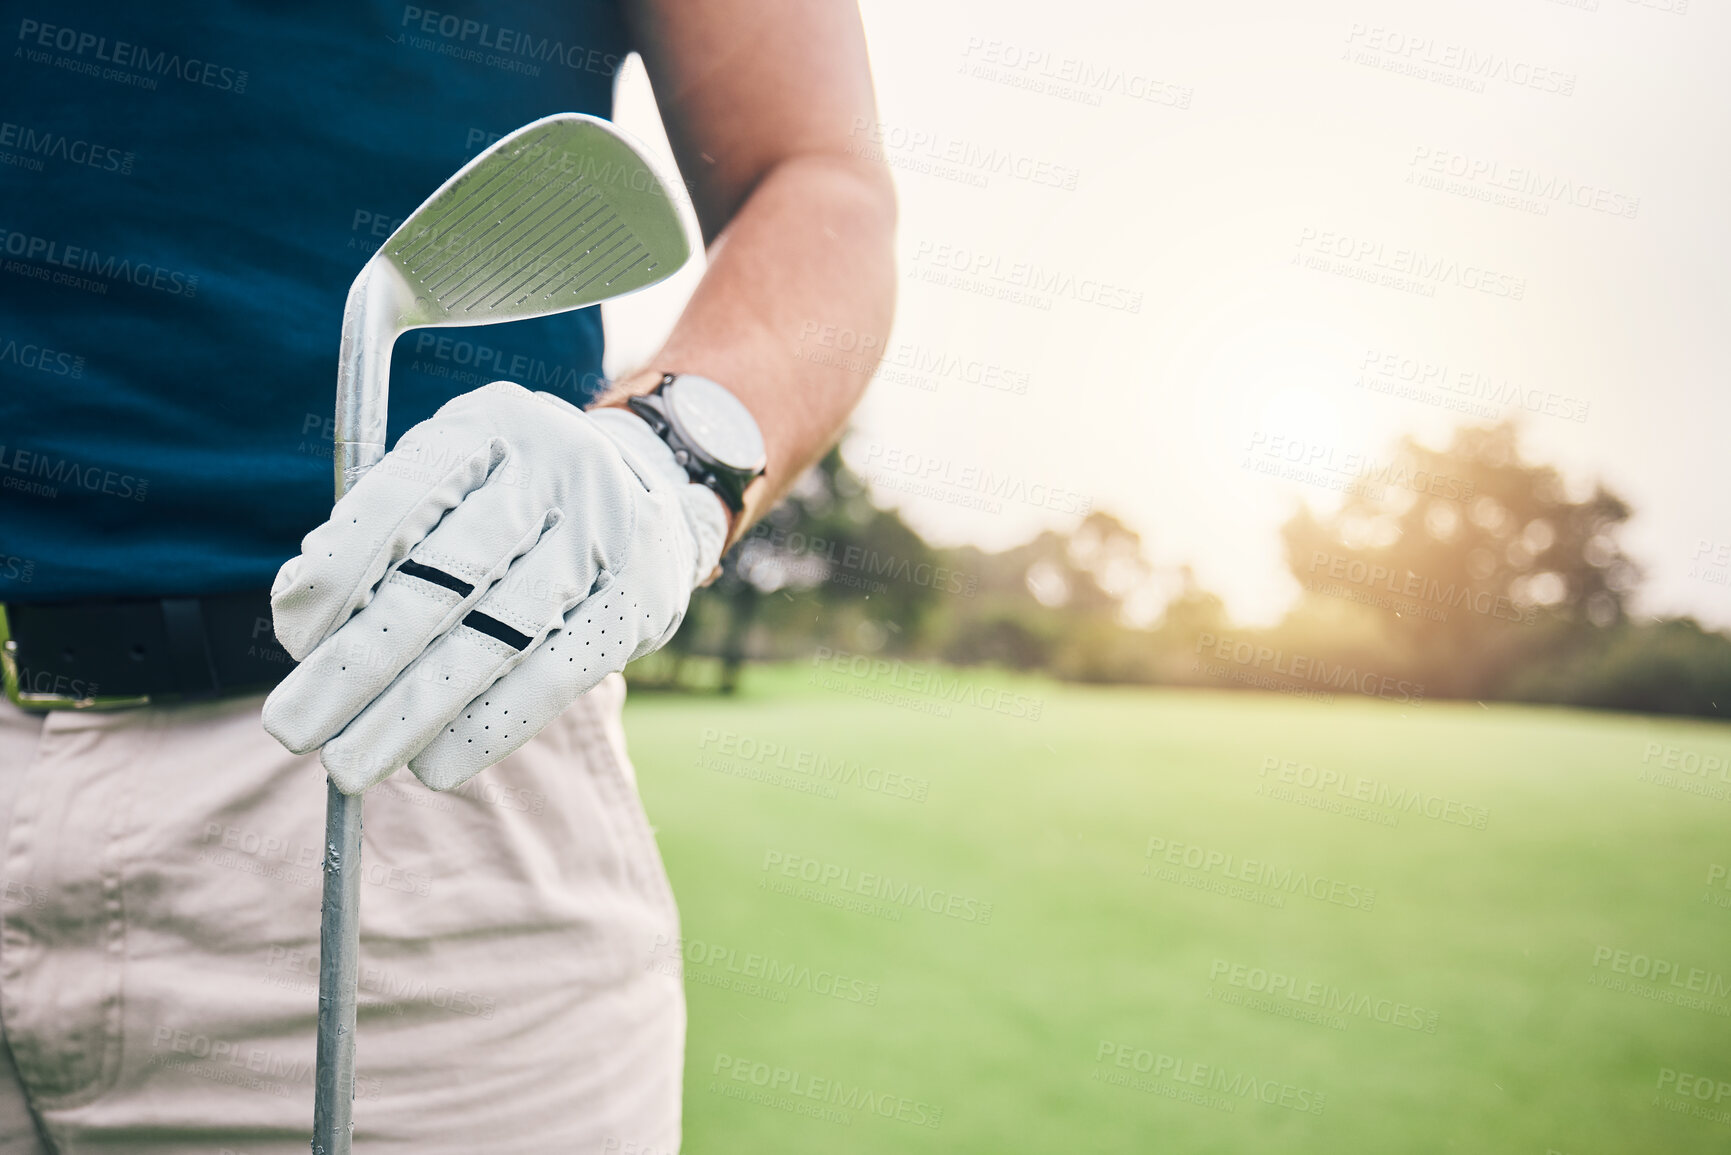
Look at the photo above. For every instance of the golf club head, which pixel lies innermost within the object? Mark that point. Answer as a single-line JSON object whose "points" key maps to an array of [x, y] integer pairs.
{"points": [[563, 213], [560, 214]]}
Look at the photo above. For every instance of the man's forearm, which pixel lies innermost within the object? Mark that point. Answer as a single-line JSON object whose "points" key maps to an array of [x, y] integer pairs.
{"points": [[811, 247]]}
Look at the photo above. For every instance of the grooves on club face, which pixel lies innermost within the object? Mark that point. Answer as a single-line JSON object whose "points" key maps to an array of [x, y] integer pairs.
{"points": [[561, 215]]}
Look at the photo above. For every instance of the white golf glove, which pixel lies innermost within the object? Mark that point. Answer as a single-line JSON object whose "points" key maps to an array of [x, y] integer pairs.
{"points": [[508, 554]]}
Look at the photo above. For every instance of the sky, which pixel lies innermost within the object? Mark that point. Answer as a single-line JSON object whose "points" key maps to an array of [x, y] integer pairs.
{"points": [[1194, 264]]}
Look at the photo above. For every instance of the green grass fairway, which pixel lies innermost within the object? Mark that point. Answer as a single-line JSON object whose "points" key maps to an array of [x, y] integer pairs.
{"points": [[1335, 970]]}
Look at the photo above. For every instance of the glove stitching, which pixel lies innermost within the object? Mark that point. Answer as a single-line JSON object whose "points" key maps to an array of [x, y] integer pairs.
{"points": [[496, 646], [424, 589], [521, 625], [493, 601], [466, 570], [381, 549]]}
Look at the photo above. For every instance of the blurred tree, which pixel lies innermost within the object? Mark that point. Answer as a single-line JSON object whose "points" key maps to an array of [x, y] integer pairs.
{"points": [[1481, 558], [1467, 569], [1055, 602], [825, 567], [1660, 667]]}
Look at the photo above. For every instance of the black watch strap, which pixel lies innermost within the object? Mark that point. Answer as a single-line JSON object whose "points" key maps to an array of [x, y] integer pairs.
{"points": [[728, 482]]}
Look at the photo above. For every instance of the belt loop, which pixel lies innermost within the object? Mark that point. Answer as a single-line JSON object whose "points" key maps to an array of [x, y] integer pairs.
{"points": [[189, 647]]}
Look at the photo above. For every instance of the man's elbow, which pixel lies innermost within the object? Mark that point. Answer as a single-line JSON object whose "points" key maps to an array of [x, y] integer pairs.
{"points": [[861, 187], [877, 188]]}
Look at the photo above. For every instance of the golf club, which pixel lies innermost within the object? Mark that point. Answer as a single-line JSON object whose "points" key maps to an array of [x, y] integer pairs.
{"points": [[563, 213]]}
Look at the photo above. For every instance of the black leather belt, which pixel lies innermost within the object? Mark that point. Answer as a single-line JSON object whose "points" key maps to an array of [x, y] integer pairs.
{"points": [[98, 655]]}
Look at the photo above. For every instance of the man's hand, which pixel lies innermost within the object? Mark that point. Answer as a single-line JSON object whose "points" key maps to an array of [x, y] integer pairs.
{"points": [[507, 555]]}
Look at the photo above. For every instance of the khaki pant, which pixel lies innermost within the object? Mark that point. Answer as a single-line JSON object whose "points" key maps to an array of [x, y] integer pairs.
{"points": [[159, 914]]}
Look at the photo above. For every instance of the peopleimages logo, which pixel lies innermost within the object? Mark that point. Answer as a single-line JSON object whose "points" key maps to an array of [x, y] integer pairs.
{"points": [[902, 362], [395, 989], [490, 363], [35, 143], [1230, 1087], [939, 686], [1306, 668], [506, 45], [1067, 77], [1459, 65], [1255, 872], [1694, 1090], [28, 355], [1420, 378], [122, 54], [786, 1088], [863, 560], [897, 143], [1327, 998], [1373, 575], [1410, 266], [48, 682], [1544, 188], [41, 474], [897, 892], [769, 756], [1372, 792], [990, 270], [86, 260], [668, 954], [273, 850], [964, 483], [1330, 459], [1663, 971]]}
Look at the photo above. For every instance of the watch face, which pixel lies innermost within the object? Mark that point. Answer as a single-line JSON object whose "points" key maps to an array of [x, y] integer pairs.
{"points": [[714, 422]]}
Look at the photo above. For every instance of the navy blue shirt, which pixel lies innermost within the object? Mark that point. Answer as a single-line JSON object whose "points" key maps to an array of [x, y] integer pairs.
{"points": [[186, 193]]}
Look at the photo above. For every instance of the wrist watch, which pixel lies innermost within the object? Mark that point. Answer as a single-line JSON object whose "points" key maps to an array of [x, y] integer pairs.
{"points": [[710, 431]]}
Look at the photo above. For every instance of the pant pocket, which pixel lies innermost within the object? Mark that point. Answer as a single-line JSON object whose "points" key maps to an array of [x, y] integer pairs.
{"points": [[616, 783], [63, 929]]}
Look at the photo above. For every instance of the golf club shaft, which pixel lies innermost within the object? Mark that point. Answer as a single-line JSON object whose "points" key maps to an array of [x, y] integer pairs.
{"points": [[509, 186], [339, 965], [360, 408]]}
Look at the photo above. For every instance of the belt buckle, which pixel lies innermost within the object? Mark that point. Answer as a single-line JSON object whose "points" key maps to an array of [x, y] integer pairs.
{"points": [[37, 701]]}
